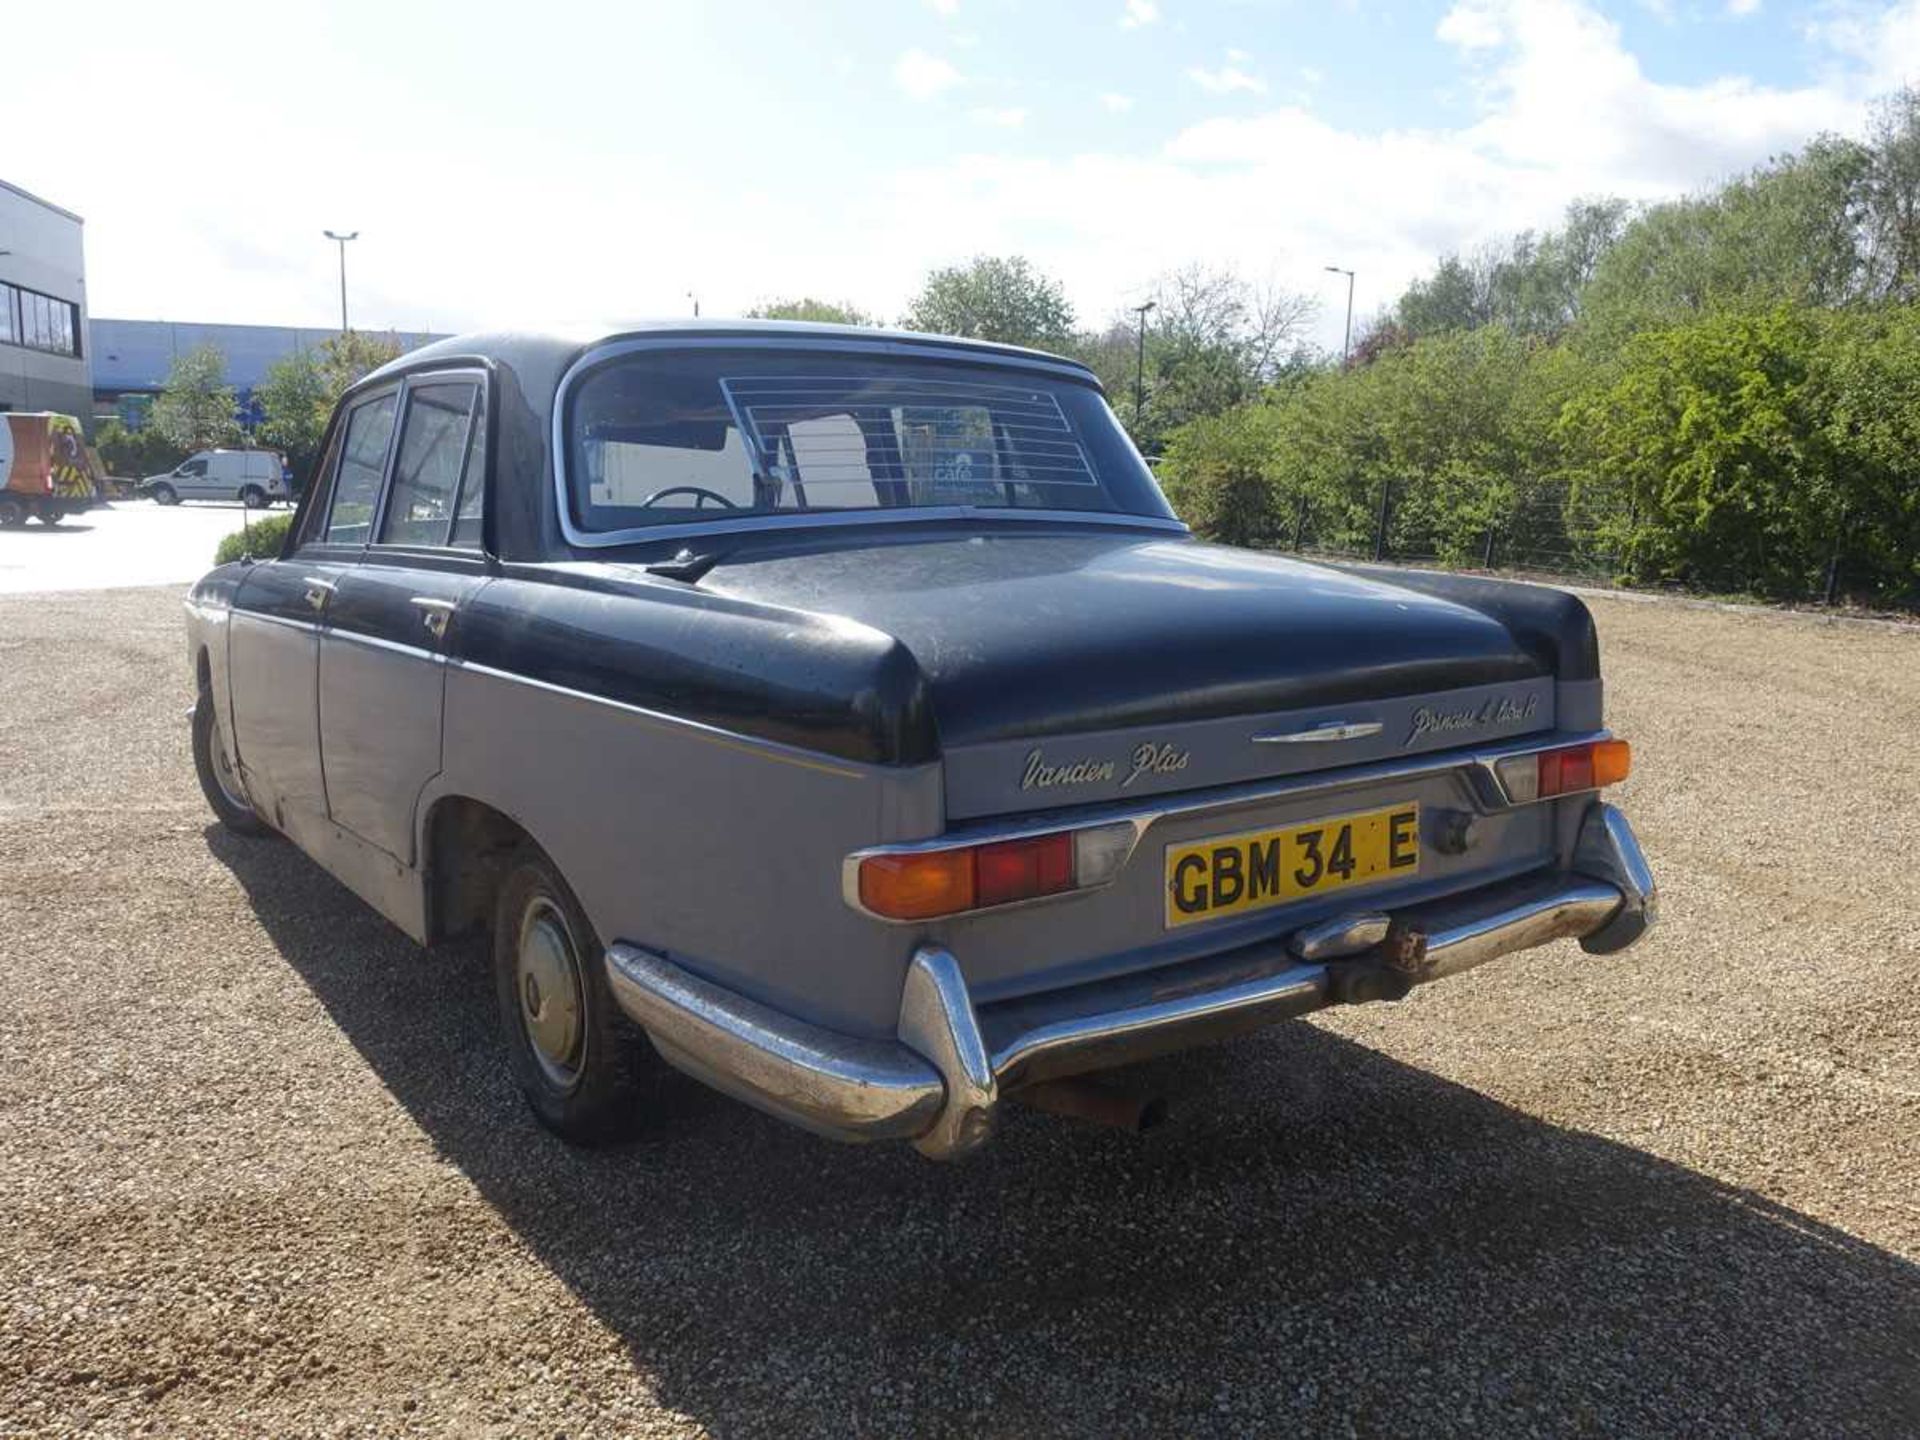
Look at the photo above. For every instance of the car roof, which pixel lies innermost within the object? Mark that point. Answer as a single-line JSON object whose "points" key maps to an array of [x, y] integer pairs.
{"points": [[542, 350]]}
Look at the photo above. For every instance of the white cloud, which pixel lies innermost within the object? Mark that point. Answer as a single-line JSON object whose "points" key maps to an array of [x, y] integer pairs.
{"points": [[1010, 118], [1883, 43], [1741, 8], [1138, 13], [1554, 107], [1118, 104], [922, 76], [945, 7], [1560, 109], [1226, 80], [1239, 56]]}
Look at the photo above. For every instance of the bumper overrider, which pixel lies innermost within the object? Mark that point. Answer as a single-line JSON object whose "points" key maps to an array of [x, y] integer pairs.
{"points": [[940, 1083]]}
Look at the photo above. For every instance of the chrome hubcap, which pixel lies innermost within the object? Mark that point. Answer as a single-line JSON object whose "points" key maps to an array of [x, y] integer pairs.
{"points": [[223, 775], [547, 977]]}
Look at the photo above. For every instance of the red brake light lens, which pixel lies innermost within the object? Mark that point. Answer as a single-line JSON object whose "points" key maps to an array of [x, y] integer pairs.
{"points": [[1023, 869], [923, 884], [1566, 771]]}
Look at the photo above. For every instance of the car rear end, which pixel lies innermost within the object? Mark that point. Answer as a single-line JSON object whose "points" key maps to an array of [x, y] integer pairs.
{"points": [[1182, 789], [1069, 936]]}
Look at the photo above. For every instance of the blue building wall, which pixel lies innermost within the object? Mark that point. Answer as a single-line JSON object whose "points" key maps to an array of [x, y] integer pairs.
{"points": [[130, 358]]}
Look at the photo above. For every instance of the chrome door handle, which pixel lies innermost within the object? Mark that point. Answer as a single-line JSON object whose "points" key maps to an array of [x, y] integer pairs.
{"points": [[318, 591], [434, 614]]}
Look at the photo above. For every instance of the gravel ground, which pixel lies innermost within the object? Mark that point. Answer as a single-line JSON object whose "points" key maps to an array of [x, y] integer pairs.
{"points": [[261, 1172]]}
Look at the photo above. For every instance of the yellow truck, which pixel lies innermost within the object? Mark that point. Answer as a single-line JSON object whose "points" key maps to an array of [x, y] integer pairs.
{"points": [[47, 469]]}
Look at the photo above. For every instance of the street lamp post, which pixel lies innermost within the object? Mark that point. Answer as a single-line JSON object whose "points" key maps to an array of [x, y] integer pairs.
{"points": [[696, 304], [342, 241], [1346, 345], [1140, 361]]}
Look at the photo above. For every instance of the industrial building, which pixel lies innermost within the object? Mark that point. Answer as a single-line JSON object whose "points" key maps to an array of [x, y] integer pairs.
{"points": [[131, 358], [43, 307]]}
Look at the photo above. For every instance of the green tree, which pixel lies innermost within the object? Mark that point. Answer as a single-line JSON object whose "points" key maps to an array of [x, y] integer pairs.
{"points": [[826, 312], [1213, 341], [1789, 232], [195, 408], [1219, 475], [135, 453], [300, 391], [349, 358], [994, 298], [1712, 438], [295, 402]]}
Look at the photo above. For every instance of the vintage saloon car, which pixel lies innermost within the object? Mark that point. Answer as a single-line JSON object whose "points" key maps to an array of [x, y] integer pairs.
{"points": [[849, 712]]}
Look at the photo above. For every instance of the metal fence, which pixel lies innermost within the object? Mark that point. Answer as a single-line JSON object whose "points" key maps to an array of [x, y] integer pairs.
{"points": [[1552, 528]]}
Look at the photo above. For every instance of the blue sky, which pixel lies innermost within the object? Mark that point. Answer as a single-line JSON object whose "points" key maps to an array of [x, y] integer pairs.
{"points": [[569, 164]]}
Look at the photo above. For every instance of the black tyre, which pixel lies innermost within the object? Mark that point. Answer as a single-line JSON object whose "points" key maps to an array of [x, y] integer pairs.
{"points": [[13, 510], [165, 495], [217, 780], [253, 497], [575, 1055], [51, 516]]}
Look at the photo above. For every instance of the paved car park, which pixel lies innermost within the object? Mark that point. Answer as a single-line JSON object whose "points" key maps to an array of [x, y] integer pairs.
{"points": [[127, 542], [260, 1169]]}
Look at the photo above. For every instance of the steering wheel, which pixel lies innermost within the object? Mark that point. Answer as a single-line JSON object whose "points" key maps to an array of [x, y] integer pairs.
{"points": [[700, 493]]}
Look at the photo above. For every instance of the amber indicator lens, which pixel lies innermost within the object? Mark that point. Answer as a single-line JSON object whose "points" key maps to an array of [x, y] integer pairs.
{"points": [[917, 887]]}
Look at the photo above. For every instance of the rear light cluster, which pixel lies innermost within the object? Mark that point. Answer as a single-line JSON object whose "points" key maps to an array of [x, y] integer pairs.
{"points": [[923, 884], [1565, 771]]}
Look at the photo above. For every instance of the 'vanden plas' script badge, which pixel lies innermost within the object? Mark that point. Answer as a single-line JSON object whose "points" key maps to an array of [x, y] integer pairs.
{"points": [[1500, 710], [1147, 759]]}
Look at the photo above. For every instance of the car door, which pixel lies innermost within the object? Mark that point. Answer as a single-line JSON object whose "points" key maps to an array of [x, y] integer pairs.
{"points": [[280, 610], [383, 653], [190, 480]]}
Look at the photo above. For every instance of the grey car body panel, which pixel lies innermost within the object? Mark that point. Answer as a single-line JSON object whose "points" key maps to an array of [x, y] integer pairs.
{"points": [[722, 850], [381, 687], [1015, 775], [699, 758]]}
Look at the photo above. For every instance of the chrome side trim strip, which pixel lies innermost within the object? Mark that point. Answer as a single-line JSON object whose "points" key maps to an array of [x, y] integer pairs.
{"points": [[749, 744], [1332, 730], [312, 627], [379, 642]]}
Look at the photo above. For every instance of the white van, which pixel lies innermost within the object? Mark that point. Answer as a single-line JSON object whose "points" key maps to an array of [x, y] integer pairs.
{"points": [[253, 477]]}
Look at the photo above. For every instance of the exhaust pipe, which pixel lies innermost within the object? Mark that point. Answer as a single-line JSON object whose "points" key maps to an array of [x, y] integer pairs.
{"points": [[1099, 1104]]}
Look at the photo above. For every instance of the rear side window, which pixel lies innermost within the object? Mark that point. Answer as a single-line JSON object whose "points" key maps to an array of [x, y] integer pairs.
{"points": [[363, 459], [426, 474], [473, 481]]}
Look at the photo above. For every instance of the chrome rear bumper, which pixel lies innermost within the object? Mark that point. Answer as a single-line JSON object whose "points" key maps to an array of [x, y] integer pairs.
{"points": [[940, 1083]]}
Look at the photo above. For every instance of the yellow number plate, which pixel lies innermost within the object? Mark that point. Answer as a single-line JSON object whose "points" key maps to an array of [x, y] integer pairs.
{"points": [[1232, 874]]}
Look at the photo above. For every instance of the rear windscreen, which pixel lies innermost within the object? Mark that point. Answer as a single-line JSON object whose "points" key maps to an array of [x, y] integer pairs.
{"points": [[662, 436]]}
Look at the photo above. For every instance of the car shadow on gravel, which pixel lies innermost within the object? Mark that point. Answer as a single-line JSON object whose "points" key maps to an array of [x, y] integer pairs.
{"points": [[1324, 1237]]}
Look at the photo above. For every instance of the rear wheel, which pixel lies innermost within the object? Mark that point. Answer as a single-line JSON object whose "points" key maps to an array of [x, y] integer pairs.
{"points": [[165, 495], [218, 783], [13, 510], [52, 515], [572, 1051], [253, 497]]}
